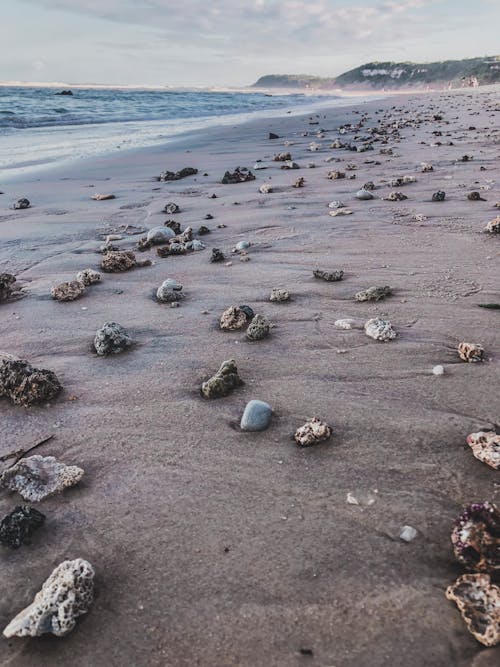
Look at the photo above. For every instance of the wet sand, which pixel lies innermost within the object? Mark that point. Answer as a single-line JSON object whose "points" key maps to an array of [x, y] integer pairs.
{"points": [[214, 547]]}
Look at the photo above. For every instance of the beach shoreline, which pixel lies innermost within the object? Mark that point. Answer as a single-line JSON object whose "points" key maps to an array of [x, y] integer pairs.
{"points": [[217, 547]]}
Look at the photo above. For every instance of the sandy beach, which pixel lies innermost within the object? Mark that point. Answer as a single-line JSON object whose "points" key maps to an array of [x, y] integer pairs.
{"points": [[215, 547]]}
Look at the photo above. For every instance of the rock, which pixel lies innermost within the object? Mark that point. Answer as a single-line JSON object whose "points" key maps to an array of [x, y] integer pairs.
{"points": [[475, 196], [88, 277], [177, 175], [174, 225], [195, 245], [312, 432], [438, 370], [111, 338], [239, 175], [116, 261], [476, 537], [248, 311], [273, 136], [6, 282], [380, 329], [232, 318], [282, 157], [259, 165], [485, 446], [340, 211], [439, 196], [345, 323], [256, 416], [171, 208], [401, 180], [159, 235], [22, 203], [37, 477], [493, 226], [65, 595], [170, 291], [329, 276], [65, 92], [68, 291], [364, 195], [407, 533], [314, 146], [17, 527], [242, 245], [335, 175], [336, 204], [223, 382], [425, 167], [300, 182], [99, 197], [290, 165], [369, 186], [279, 295], [373, 293], [471, 352], [265, 189], [25, 385], [217, 255], [203, 230], [258, 328], [395, 196], [478, 600]]}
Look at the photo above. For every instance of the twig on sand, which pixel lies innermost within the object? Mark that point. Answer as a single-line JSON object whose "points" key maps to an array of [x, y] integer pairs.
{"points": [[18, 454]]}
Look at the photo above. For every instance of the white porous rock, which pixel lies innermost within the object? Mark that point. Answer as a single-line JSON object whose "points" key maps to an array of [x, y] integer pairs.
{"points": [[88, 277], [336, 204], [346, 323], [64, 596], [438, 370], [37, 477], [265, 189], [380, 329], [407, 533], [160, 235]]}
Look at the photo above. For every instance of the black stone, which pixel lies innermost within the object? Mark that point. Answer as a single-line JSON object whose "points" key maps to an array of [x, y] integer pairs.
{"points": [[17, 527]]}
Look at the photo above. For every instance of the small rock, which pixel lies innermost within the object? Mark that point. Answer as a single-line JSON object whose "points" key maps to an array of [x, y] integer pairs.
{"points": [[7, 280], [290, 165], [159, 235], [340, 211], [329, 276], [407, 534], [17, 527], [475, 196], [265, 189], [99, 197], [111, 338], [300, 182], [170, 291], [176, 176], [203, 230], [121, 260], [336, 204], [345, 323], [242, 245], [476, 538], [256, 417], [438, 370], [335, 175], [364, 195], [223, 382], [233, 318], [282, 157], [396, 196], [68, 291], [380, 329], [493, 226], [22, 203], [258, 329], [279, 295], [88, 277], [312, 432], [373, 293], [37, 477], [478, 601], [217, 255], [239, 175], [485, 446], [248, 311], [25, 385], [272, 135], [439, 196], [471, 352], [426, 167], [171, 208]]}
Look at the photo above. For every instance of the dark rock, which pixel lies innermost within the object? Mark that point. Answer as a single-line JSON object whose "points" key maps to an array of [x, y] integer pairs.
{"points": [[217, 255], [17, 527], [25, 385], [174, 225], [65, 92], [209, 216], [203, 230], [111, 338], [177, 175], [273, 136], [171, 208], [439, 196], [223, 382], [22, 203], [239, 175], [329, 276], [475, 196], [248, 311], [6, 282]]}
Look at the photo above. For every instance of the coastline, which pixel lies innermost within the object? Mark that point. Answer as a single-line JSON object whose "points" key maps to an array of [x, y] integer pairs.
{"points": [[217, 547]]}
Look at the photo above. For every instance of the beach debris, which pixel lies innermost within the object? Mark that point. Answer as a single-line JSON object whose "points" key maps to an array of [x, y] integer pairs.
{"points": [[171, 208], [329, 276], [471, 352], [336, 204], [170, 291], [265, 189], [493, 226], [364, 195], [299, 183], [279, 295], [439, 196], [340, 211], [7, 280], [177, 175], [476, 537], [203, 230], [258, 329], [396, 196], [239, 175], [174, 225], [256, 416], [337, 144], [485, 446], [223, 382], [272, 135], [21, 203], [67, 291], [290, 165], [233, 318], [466, 158], [159, 235], [346, 323], [282, 157], [314, 146], [475, 196], [380, 329], [335, 175], [438, 370], [64, 596], [17, 527], [373, 293], [115, 261], [402, 180], [490, 306], [111, 338], [351, 166], [312, 432], [88, 277], [217, 255], [100, 197], [478, 601], [408, 534], [426, 166], [25, 385], [37, 477]]}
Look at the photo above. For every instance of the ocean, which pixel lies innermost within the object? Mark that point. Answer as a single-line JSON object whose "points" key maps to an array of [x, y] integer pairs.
{"points": [[39, 128]]}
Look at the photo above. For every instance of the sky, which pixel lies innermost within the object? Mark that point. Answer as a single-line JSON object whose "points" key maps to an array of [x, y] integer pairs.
{"points": [[232, 42]]}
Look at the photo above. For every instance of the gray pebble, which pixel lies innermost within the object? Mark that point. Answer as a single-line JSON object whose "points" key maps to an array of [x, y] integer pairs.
{"points": [[256, 416]]}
